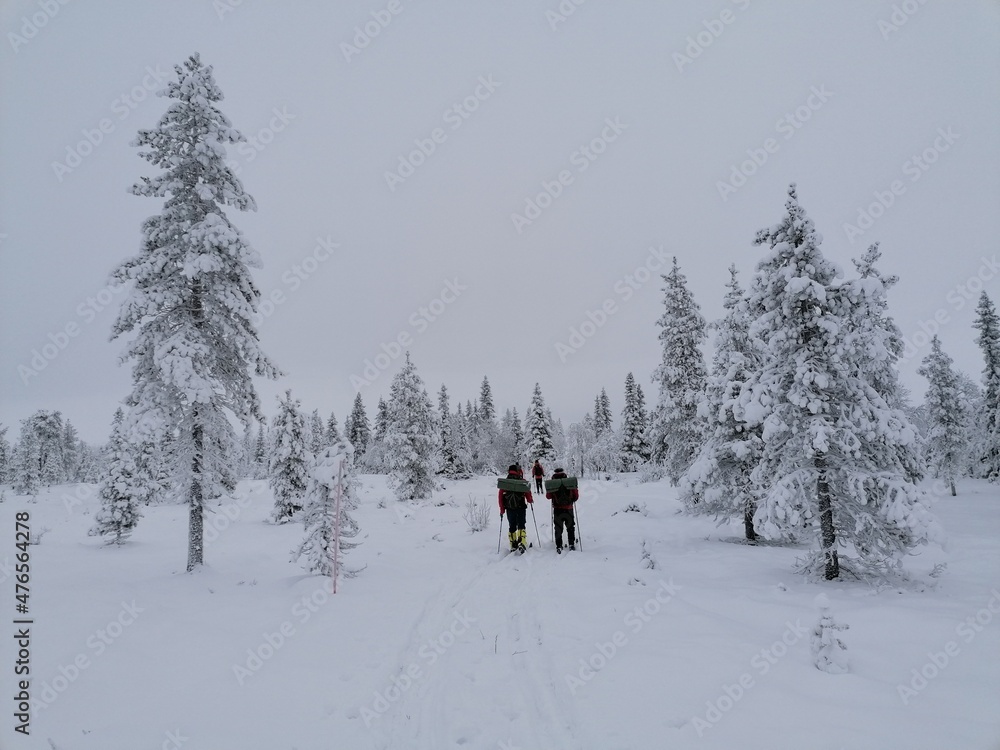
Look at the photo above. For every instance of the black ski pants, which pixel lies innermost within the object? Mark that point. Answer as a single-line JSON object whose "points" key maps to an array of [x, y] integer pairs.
{"points": [[564, 517], [516, 518]]}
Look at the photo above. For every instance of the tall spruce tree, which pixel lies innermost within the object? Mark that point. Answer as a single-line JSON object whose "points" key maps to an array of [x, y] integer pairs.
{"points": [[193, 301], [987, 449], [674, 433], [830, 462], [538, 443], [947, 440], [315, 433], [360, 433], [412, 440], [719, 482], [121, 491], [448, 464], [289, 462], [633, 448]]}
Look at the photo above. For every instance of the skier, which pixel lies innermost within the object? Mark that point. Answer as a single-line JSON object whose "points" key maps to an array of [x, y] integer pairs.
{"points": [[515, 505], [562, 511], [539, 473]]}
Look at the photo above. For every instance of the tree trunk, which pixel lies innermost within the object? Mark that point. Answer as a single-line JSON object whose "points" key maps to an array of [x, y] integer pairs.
{"points": [[196, 543], [829, 535], [748, 512], [952, 483]]}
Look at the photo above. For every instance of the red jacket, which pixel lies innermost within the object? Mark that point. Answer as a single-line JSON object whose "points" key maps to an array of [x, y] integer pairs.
{"points": [[574, 494], [527, 495], [537, 470]]}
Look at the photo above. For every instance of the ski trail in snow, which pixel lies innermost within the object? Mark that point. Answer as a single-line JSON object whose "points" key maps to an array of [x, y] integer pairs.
{"points": [[493, 687]]}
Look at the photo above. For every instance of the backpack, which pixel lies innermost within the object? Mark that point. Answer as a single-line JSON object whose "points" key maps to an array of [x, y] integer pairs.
{"points": [[514, 500], [564, 496]]}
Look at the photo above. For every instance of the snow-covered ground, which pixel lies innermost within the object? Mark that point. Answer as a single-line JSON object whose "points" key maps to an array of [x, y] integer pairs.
{"points": [[701, 642]]}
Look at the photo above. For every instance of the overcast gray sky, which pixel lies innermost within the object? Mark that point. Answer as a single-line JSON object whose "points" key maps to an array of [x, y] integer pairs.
{"points": [[634, 114]]}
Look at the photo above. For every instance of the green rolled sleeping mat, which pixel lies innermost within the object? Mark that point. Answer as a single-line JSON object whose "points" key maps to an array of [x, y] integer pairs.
{"points": [[551, 485], [513, 485]]}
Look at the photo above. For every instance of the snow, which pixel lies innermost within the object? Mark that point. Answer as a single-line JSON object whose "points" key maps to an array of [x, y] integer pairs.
{"points": [[665, 631]]}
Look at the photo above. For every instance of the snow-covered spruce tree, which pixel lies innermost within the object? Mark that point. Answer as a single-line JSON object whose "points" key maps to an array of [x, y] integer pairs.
{"points": [[360, 431], [71, 452], [121, 491], [674, 432], [192, 301], [633, 449], [947, 441], [538, 442], [5, 457], [602, 414], [509, 439], [719, 482], [412, 439], [26, 461], [987, 449], [828, 651], [448, 464], [331, 471], [246, 453], [876, 345], [830, 462], [260, 458], [48, 444], [973, 407], [288, 469], [315, 433], [332, 434]]}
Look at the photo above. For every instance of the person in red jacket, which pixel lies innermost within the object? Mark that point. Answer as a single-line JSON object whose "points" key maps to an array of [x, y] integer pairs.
{"points": [[539, 473], [515, 505], [562, 512]]}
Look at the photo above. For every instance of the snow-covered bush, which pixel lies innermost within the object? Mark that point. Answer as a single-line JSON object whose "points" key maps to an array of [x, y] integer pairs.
{"points": [[829, 652], [477, 514]]}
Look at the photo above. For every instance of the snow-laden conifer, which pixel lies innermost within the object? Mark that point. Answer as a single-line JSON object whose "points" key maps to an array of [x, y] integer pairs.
{"points": [[192, 301], [412, 439], [329, 500], [674, 431], [288, 470]]}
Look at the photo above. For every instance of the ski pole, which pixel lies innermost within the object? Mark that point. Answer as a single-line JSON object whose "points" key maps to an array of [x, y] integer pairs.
{"points": [[579, 535], [500, 535], [536, 524]]}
